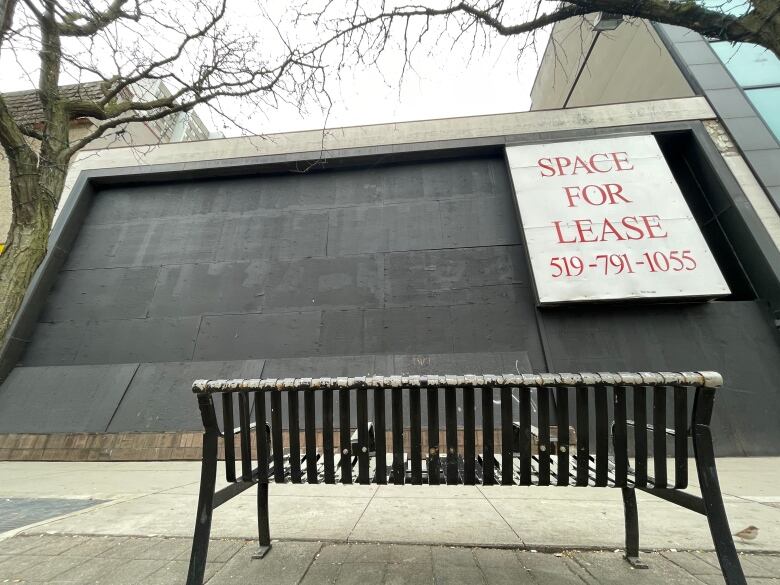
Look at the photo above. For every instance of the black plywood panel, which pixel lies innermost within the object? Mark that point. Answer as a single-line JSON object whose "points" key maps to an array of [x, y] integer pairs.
{"points": [[325, 283], [497, 327], [209, 288], [218, 237], [399, 330], [479, 222], [65, 399], [254, 336], [369, 229], [88, 295], [160, 395], [456, 276]]}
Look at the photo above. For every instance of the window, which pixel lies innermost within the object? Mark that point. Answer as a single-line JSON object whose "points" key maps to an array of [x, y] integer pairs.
{"points": [[757, 71]]}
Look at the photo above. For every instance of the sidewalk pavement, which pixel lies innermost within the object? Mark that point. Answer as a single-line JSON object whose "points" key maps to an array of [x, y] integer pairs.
{"points": [[122, 505]]}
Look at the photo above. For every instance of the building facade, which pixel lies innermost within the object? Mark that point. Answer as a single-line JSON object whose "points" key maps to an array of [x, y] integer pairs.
{"points": [[395, 248]]}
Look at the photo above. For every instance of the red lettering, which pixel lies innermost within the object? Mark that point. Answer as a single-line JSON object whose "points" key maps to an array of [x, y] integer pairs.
{"points": [[563, 163], [580, 164], [630, 223], [546, 167], [584, 226], [571, 194], [610, 229], [615, 190], [620, 160], [593, 163], [602, 196], [559, 233], [651, 226]]}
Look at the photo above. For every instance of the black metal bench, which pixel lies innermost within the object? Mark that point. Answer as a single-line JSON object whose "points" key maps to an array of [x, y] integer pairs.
{"points": [[510, 451]]}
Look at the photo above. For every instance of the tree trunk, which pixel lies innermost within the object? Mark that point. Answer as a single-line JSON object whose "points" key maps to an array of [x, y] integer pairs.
{"points": [[26, 249]]}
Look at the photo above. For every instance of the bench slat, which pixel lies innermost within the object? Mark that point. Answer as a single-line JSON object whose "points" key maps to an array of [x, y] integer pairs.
{"points": [[380, 472], [543, 403], [345, 436], [261, 435], [601, 404], [640, 436], [659, 436], [619, 434], [362, 432], [525, 436], [583, 433], [469, 447], [245, 436], [309, 418], [433, 436], [451, 425], [507, 436], [680, 437], [398, 436], [415, 432], [295, 435], [488, 477], [276, 436], [562, 418], [329, 470], [230, 447]]}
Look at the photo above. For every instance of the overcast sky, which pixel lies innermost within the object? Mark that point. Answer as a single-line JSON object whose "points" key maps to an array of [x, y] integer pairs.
{"points": [[448, 82]]}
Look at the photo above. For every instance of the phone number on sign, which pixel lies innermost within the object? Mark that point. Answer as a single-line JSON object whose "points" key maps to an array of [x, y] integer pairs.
{"points": [[674, 261]]}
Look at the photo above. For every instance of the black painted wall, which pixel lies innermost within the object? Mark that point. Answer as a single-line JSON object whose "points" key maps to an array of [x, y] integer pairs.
{"points": [[383, 269]]}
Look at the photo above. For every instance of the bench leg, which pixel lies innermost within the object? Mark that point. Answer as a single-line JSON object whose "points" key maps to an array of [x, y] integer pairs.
{"points": [[632, 528], [713, 504], [263, 528], [200, 541]]}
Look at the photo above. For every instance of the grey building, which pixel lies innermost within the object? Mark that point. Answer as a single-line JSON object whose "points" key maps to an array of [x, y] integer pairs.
{"points": [[384, 249]]}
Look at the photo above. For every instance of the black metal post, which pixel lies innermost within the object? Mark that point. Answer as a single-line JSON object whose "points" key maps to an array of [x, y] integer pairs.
{"points": [[632, 528], [208, 480], [263, 528]]}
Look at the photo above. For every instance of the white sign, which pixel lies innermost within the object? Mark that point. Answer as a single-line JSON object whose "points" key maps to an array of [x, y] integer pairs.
{"points": [[605, 219]]}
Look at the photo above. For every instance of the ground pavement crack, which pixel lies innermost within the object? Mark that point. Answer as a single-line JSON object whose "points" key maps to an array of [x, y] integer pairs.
{"points": [[371, 499], [520, 538]]}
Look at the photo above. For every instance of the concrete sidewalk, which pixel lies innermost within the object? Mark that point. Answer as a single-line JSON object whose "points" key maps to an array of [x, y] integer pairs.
{"points": [[163, 561], [123, 523], [159, 499]]}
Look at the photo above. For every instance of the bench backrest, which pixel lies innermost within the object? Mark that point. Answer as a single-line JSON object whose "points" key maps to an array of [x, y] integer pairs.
{"points": [[530, 439]]}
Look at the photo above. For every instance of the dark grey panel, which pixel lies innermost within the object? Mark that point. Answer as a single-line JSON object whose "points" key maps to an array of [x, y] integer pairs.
{"points": [[764, 162], [751, 133], [324, 366], [401, 330], [455, 276], [734, 338], [370, 229], [436, 181], [258, 336], [112, 341], [113, 293], [325, 283], [712, 76], [62, 399], [480, 222], [774, 194], [498, 327], [138, 340], [220, 237], [730, 103], [54, 343], [160, 396], [215, 287], [462, 363]]}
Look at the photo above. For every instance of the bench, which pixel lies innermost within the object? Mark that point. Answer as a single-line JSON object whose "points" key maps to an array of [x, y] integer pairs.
{"points": [[480, 440]]}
